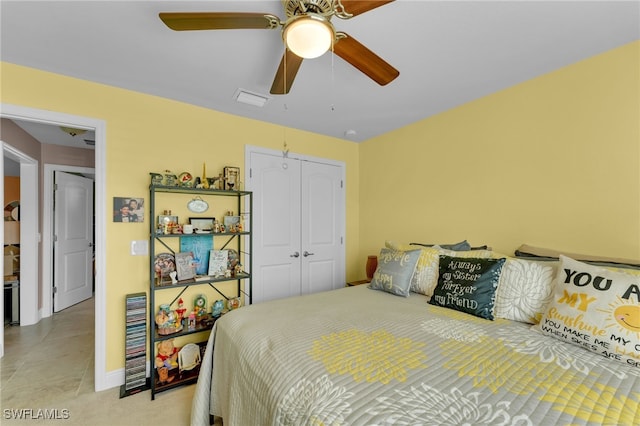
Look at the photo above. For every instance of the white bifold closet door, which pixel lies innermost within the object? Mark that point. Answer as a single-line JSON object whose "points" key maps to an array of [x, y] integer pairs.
{"points": [[298, 225]]}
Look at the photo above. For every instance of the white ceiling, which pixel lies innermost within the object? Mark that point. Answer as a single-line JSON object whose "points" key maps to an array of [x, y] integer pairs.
{"points": [[447, 52]]}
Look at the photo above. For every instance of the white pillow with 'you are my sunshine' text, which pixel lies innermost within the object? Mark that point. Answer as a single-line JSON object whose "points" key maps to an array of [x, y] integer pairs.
{"points": [[597, 309]]}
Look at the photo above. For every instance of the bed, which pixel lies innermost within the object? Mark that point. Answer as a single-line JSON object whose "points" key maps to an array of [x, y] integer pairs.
{"points": [[361, 356]]}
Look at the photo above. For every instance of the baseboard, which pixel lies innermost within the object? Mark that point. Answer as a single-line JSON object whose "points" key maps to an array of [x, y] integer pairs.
{"points": [[115, 378]]}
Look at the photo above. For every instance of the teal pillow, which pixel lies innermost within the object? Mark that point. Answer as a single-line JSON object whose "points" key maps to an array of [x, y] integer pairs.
{"points": [[468, 285], [395, 270]]}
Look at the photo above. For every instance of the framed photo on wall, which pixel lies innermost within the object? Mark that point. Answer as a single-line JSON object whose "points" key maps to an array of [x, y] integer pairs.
{"points": [[128, 209], [232, 178]]}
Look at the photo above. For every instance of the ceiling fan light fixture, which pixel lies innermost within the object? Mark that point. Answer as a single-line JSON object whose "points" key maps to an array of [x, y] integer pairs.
{"points": [[308, 35]]}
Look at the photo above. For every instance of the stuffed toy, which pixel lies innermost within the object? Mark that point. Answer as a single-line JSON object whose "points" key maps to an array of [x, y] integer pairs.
{"points": [[167, 355]]}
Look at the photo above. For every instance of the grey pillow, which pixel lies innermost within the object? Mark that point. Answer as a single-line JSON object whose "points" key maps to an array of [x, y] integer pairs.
{"points": [[395, 270], [461, 246]]}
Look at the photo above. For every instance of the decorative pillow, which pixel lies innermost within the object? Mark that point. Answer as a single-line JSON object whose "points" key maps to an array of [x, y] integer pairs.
{"points": [[524, 290], [461, 246], [395, 270], [426, 276], [597, 309], [468, 285]]}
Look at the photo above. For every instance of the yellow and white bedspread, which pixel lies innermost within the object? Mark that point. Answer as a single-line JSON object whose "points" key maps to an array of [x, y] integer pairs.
{"points": [[357, 356]]}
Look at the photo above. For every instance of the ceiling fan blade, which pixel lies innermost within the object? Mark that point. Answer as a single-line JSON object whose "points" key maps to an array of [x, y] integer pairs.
{"points": [[354, 52], [358, 7], [286, 73], [186, 21]]}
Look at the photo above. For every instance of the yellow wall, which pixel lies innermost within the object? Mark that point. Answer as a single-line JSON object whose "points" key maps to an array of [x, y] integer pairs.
{"points": [[147, 133], [552, 162]]}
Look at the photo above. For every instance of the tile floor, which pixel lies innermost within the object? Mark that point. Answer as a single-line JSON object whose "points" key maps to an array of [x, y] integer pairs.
{"points": [[50, 366]]}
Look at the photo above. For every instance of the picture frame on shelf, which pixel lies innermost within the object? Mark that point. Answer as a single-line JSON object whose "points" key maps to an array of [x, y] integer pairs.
{"points": [[165, 219], [218, 262], [185, 267], [202, 223], [199, 246], [231, 178], [231, 222]]}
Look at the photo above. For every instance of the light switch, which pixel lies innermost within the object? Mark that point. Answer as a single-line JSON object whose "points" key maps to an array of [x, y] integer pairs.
{"points": [[139, 248]]}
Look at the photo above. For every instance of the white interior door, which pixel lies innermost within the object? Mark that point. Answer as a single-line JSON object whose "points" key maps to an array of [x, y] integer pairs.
{"points": [[275, 184], [298, 225], [322, 227], [73, 245]]}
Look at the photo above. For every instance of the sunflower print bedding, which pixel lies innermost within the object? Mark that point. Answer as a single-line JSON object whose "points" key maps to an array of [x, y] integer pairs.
{"points": [[358, 356]]}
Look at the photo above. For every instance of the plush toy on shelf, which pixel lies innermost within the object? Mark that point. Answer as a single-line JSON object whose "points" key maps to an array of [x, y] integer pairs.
{"points": [[166, 359]]}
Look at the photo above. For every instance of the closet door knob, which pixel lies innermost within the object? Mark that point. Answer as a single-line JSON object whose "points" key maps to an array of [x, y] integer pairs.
{"points": [[296, 254], [306, 253]]}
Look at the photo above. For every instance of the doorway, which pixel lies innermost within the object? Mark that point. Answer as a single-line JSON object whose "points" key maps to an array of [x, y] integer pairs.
{"points": [[102, 379], [71, 249]]}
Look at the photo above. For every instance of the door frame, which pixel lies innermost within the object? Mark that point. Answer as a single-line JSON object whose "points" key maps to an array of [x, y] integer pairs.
{"points": [[48, 228], [28, 236], [102, 379]]}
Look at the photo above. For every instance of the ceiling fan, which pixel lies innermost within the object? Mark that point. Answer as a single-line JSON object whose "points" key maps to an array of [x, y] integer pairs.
{"points": [[307, 33]]}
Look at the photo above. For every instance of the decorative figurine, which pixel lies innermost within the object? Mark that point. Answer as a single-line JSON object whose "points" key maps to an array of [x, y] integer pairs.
{"points": [[217, 308], [166, 359], [233, 303], [204, 181], [181, 310], [200, 306], [169, 178], [156, 178], [185, 180], [167, 321]]}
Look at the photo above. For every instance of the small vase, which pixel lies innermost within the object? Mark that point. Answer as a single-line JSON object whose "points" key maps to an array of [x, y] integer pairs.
{"points": [[372, 264]]}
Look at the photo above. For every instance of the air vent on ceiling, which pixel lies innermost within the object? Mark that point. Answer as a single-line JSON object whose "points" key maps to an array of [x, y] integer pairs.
{"points": [[255, 99]]}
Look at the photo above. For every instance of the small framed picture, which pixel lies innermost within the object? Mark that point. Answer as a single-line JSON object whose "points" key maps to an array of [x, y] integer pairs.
{"points": [[202, 223], [185, 267], [128, 209], [164, 219], [231, 223], [231, 178], [218, 262]]}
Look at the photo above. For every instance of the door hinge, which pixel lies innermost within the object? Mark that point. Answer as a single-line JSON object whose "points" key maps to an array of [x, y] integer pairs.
{"points": [[341, 184], [341, 240], [55, 238], [250, 173], [55, 186], [55, 290]]}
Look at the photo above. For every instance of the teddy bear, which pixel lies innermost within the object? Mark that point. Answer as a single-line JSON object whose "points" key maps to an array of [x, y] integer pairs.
{"points": [[166, 359], [167, 355]]}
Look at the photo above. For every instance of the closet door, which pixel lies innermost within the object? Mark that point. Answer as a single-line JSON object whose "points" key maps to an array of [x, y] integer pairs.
{"points": [[275, 183], [322, 227], [298, 226]]}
